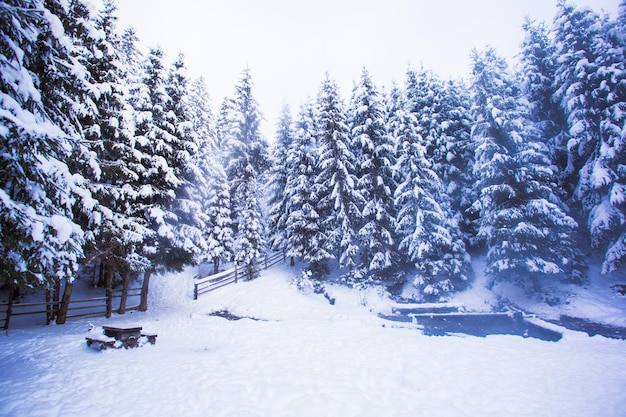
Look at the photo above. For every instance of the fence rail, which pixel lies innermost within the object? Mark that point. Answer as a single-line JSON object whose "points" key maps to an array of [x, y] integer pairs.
{"points": [[208, 283], [97, 306]]}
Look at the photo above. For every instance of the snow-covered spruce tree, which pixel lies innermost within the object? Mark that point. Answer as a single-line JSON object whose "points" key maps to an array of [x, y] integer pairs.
{"points": [[214, 192], [454, 155], [575, 32], [279, 172], [538, 71], [339, 200], [192, 222], [429, 236], [40, 243], [443, 119], [374, 148], [527, 231], [246, 161], [306, 239], [592, 93], [160, 169], [607, 177], [115, 235]]}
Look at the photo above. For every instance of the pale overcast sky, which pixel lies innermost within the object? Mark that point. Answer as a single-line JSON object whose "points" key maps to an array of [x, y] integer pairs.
{"points": [[290, 44]]}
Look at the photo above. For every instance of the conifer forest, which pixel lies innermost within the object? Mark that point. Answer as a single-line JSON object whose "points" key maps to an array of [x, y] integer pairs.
{"points": [[112, 154]]}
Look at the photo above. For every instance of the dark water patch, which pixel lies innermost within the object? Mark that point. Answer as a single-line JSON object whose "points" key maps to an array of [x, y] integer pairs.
{"points": [[590, 327], [477, 324], [225, 314]]}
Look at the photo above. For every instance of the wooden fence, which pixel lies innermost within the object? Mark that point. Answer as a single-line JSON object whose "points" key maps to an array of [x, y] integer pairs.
{"points": [[97, 306], [207, 283]]}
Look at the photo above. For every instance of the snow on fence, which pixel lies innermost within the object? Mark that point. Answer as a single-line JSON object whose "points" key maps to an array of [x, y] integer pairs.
{"points": [[95, 306], [207, 283]]}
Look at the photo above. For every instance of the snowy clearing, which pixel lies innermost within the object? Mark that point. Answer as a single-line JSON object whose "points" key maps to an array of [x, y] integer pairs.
{"points": [[301, 356]]}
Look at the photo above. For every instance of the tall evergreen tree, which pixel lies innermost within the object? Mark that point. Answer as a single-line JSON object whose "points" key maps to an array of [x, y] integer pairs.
{"points": [[159, 168], [528, 233], [279, 173], [40, 243], [213, 191], [116, 235], [374, 147], [305, 234], [429, 236], [246, 161], [339, 200]]}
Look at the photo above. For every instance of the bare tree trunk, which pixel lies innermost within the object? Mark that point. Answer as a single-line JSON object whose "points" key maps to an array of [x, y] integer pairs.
{"points": [[143, 305], [108, 283], [49, 312], [55, 299], [10, 306], [216, 265], [125, 281], [65, 302]]}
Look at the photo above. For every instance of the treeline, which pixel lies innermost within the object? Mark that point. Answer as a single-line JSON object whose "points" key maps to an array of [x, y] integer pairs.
{"points": [[111, 155]]}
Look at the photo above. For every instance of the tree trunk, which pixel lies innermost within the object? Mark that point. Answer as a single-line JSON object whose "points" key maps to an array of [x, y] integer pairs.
{"points": [[10, 306], [108, 283], [55, 299], [124, 297], [65, 302], [292, 261], [49, 313], [216, 265], [101, 279], [143, 305]]}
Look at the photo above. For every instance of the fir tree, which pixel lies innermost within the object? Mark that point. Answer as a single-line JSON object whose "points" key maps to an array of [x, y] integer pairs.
{"points": [[373, 144], [339, 200], [429, 236], [527, 231], [40, 242], [306, 238], [212, 190], [279, 173], [116, 235], [246, 160]]}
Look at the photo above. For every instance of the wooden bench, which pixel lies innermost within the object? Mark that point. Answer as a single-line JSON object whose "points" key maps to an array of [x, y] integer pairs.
{"points": [[100, 342], [151, 337]]}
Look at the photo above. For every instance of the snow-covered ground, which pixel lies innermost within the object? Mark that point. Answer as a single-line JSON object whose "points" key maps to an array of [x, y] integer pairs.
{"points": [[301, 356]]}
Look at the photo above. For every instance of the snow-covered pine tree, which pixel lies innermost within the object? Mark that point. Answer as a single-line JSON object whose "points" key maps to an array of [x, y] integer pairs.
{"points": [[191, 221], [612, 151], [115, 234], [454, 155], [214, 192], [602, 184], [575, 32], [40, 243], [279, 173], [159, 168], [429, 236], [538, 71], [375, 183], [306, 239], [339, 200], [527, 231], [246, 161]]}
